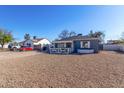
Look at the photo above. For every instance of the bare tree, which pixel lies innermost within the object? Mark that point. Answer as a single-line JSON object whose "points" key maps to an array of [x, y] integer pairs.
{"points": [[64, 34], [72, 33]]}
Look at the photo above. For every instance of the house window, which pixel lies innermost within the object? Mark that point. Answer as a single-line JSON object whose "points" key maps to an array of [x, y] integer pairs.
{"points": [[59, 45], [28, 44], [56, 45], [85, 44], [68, 45]]}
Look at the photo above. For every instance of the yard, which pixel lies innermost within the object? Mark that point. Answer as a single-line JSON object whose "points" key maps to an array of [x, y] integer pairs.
{"points": [[35, 69]]}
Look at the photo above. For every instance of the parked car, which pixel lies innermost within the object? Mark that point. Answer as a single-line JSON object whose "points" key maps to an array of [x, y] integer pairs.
{"points": [[14, 46], [26, 48]]}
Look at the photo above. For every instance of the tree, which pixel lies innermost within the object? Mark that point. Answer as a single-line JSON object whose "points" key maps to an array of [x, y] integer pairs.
{"points": [[65, 34], [5, 37], [122, 36], [72, 33], [34, 37], [91, 33], [27, 36], [97, 34]]}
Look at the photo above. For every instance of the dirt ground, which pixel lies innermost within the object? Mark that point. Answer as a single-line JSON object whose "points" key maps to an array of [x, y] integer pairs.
{"points": [[35, 69]]}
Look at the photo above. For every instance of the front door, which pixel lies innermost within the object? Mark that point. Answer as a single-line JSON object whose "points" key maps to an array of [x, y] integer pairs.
{"points": [[76, 46]]}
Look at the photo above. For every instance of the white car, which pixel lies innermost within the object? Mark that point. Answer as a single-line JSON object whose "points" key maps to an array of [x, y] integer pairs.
{"points": [[14, 46]]}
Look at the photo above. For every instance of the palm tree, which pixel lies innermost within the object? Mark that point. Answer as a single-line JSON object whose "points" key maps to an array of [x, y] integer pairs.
{"points": [[27, 36]]}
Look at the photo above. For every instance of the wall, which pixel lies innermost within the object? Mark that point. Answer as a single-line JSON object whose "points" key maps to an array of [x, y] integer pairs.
{"points": [[94, 44], [113, 47], [76, 45], [43, 42], [28, 42], [5, 46]]}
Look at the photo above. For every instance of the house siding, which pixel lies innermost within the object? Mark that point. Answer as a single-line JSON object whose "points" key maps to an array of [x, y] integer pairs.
{"points": [[76, 46], [94, 44], [28, 42]]}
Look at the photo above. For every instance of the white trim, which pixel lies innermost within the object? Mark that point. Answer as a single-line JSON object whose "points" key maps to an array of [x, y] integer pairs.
{"points": [[81, 44], [62, 41], [64, 45], [60, 50], [88, 44], [85, 51]]}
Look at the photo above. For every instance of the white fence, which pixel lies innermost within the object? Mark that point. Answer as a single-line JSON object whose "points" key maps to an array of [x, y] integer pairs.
{"points": [[60, 50], [113, 47]]}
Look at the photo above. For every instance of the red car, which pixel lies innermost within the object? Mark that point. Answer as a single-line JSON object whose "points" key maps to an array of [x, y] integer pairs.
{"points": [[26, 48]]}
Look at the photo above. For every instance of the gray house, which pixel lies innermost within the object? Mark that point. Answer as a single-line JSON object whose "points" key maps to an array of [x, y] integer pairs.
{"points": [[75, 44]]}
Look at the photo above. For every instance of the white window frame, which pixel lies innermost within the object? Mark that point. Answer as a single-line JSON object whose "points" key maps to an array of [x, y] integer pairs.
{"points": [[81, 44]]}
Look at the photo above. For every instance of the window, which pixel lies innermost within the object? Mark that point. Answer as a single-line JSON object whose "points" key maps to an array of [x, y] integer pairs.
{"points": [[28, 44], [56, 45], [61, 45], [68, 45], [85, 44]]}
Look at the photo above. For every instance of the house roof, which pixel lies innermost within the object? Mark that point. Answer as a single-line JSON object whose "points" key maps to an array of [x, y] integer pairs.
{"points": [[33, 40], [37, 40], [73, 38], [22, 42]]}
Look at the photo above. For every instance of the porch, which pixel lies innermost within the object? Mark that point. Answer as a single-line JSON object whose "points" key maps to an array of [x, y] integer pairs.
{"points": [[63, 47], [60, 50]]}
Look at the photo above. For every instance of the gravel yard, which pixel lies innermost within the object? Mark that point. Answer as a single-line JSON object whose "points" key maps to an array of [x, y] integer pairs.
{"points": [[35, 69], [11, 55]]}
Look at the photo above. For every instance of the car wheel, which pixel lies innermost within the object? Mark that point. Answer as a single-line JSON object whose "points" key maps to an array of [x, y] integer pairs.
{"points": [[14, 49]]}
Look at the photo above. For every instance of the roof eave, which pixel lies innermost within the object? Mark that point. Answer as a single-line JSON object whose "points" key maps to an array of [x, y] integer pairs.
{"points": [[63, 41]]}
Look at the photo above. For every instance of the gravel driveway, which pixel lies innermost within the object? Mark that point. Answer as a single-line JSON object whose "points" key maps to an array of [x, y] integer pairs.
{"points": [[35, 69]]}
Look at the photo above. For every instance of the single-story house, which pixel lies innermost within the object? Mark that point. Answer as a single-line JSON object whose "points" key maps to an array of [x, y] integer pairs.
{"points": [[40, 43], [37, 43], [75, 44], [28, 43]]}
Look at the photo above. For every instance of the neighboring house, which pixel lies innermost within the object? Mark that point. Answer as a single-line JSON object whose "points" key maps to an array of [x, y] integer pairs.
{"points": [[28, 43], [40, 43], [37, 43], [76, 44], [113, 41]]}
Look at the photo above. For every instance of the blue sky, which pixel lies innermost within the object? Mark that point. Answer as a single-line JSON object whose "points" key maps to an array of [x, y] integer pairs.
{"points": [[49, 21]]}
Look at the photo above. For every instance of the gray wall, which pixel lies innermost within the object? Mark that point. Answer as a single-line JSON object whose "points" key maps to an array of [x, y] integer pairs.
{"points": [[76, 46], [94, 44]]}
